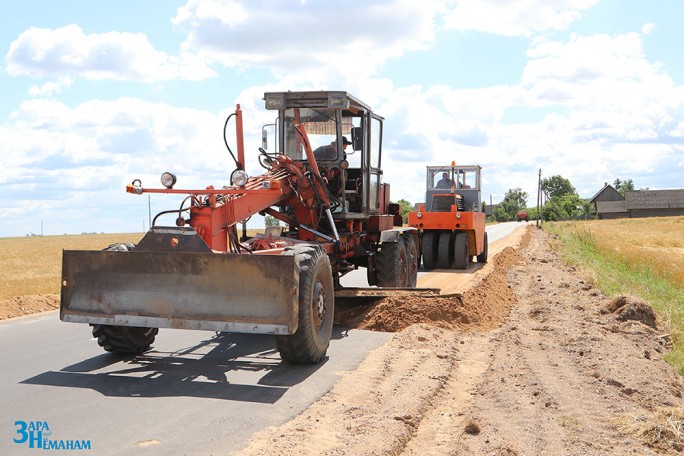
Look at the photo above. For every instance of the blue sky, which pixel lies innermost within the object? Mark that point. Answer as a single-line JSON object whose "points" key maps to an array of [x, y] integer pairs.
{"points": [[96, 94]]}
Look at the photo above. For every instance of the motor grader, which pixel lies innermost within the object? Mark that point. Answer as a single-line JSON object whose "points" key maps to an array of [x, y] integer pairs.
{"points": [[452, 220], [200, 273]]}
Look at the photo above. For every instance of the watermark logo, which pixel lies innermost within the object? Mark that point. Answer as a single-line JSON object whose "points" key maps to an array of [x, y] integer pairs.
{"points": [[37, 434]]}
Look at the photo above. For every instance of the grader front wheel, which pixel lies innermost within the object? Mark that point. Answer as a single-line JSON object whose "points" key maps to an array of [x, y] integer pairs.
{"points": [[124, 339], [309, 344]]}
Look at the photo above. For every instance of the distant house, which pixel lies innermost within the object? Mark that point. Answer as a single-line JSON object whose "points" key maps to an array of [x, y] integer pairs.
{"points": [[655, 203], [611, 204]]}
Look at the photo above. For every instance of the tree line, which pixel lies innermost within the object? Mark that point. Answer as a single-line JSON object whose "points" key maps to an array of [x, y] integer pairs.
{"points": [[561, 201]]}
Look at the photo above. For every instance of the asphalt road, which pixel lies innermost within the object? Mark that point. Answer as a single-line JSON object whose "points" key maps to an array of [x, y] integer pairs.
{"points": [[195, 393], [501, 230]]}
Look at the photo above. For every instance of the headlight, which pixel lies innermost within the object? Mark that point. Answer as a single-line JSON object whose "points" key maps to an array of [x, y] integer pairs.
{"points": [[338, 100], [168, 180], [239, 178], [274, 100]]}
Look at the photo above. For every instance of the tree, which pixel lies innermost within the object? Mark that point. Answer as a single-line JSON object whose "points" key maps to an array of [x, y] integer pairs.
{"points": [[566, 207], [499, 214], [553, 211], [563, 202], [269, 220], [557, 186], [532, 213], [404, 208], [622, 186], [514, 200]]}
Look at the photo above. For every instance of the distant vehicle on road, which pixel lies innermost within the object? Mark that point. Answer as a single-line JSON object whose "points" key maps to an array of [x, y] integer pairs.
{"points": [[522, 215]]}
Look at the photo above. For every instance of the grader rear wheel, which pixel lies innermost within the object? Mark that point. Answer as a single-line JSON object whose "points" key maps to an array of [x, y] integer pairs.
{"points": [[392, 264], [309, 344], [412, 260]]}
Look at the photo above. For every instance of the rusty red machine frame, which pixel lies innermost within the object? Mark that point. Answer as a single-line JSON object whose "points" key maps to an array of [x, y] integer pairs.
{"points": [[200, 273]]}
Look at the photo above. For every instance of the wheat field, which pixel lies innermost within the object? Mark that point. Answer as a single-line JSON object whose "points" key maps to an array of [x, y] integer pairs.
{"points": [[33, 265], [656, 242]]}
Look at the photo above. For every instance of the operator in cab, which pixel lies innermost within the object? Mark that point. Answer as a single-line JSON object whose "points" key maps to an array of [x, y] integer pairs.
{"points": [[444, 182], [329, 152]]}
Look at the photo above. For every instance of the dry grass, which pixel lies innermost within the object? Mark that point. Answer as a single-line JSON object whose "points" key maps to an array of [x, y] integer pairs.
{"points": [[32, 265], [662, 429], [649, 241], [641, 257]]}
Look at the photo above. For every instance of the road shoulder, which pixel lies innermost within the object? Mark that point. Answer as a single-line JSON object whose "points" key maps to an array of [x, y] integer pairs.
{"points": [[550, 373]]}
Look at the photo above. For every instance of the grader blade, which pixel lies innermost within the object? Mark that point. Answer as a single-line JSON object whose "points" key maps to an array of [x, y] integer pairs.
{"points": [[219, 292], [358, 296]]}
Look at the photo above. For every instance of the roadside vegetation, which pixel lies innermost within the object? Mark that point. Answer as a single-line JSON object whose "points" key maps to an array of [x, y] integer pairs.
{"points": [[641, 257]]}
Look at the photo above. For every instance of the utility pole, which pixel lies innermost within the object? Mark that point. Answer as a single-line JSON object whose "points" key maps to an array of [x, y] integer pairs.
{"points": [[539, 206]]}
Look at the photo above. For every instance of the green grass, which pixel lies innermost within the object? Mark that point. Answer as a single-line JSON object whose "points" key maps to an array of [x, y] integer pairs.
{"points": [[614, 276]]}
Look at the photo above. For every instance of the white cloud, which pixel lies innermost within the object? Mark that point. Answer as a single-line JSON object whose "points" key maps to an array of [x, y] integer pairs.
{"points": [[648, 28], [610, 112], [311, 38], [69, 51], [607, 82], [606, 112], [516, 18], [51, 88], [87, 154], [584, 59], [595, 108]]}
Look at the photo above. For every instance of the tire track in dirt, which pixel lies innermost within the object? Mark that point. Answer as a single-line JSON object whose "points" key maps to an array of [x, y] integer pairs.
{"points": [[443, 425], [565, 377]]}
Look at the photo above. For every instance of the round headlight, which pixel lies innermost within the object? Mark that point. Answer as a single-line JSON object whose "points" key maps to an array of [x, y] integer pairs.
{"points": [[239, 178], [168, 180]]}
